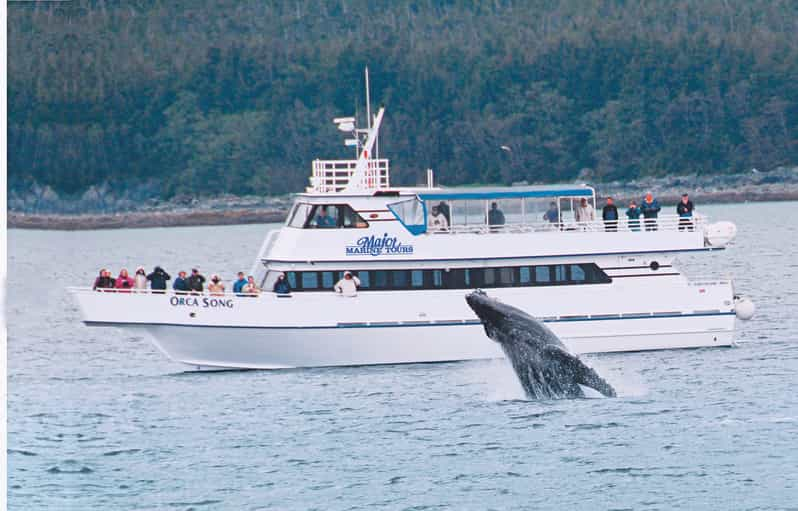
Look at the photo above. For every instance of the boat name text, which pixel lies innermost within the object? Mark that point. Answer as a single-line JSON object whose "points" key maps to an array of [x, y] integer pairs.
{"points": [[204, 302], [375, 246]]}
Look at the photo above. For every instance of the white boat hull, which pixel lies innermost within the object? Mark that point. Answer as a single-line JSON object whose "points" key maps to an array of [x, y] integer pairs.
{"points": [[322, 329], [202, 348]]}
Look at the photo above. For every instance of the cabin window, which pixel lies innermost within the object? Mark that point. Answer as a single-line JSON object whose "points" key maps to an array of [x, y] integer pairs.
{"points": [[363, 276], [489, 277], [400, 279], [411, 213], [291, 276], [506, 276], [381, 279], [437, 278], [524, 275], [332, 216], [327, 279], [299, 215], [559, 273], [417, 278], [577, 273], [310, 280], [542, 274]]}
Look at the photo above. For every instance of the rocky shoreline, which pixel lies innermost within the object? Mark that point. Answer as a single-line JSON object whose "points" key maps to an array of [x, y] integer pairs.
{"points": [[235, 216]]}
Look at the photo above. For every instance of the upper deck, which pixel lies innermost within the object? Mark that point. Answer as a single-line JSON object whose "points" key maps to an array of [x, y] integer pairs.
{"points": [[351, 213]]}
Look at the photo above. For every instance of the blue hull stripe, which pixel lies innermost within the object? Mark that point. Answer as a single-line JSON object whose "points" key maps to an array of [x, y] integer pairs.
{"points": [[468, 322]]}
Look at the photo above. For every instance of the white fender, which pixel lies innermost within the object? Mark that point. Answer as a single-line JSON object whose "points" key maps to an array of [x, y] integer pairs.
{"points": [[719, 234], [744, 307]]}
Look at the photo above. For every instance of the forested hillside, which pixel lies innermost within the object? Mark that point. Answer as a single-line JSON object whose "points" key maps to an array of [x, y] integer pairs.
{"points": [[206, 97]]}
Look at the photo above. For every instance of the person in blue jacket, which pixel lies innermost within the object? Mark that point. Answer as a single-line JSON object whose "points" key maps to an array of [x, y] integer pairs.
{"points": [[238, 285], [323, 219], [181, 283], [650, 209], [281, 286], [633, 214]]}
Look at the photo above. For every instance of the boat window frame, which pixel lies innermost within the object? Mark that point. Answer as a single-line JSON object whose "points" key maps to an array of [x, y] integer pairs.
{"points": [[341, 209], [414, 229]]}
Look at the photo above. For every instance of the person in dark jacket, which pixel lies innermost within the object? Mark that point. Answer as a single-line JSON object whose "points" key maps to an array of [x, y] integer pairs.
{"points": [[495, 215], [196, 281], [444, 209], [633, 214], [238, 285], [552, 215], [650, 209], [610, 215], [281, 286], [158, 279], [104, 280], [685, 211], [181, 283]]}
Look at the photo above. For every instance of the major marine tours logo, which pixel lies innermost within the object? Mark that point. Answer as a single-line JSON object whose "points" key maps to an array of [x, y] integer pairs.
{"points": [[374, 246]]}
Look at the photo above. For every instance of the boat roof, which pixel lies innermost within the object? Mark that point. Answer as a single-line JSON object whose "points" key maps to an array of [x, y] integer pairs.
{"points": [[512, 192]]}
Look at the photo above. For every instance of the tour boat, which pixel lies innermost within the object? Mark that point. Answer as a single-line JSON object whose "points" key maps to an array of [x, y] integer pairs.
{"points": [[601, 287]]}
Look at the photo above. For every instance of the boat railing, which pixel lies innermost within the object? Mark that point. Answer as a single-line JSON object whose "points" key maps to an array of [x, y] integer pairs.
{"points": [[332, 176], [168, 292], [668, 223]]}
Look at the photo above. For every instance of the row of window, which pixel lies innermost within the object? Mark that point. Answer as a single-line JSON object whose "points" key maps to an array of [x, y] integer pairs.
{"points": [[325, 216], [466, 278]]}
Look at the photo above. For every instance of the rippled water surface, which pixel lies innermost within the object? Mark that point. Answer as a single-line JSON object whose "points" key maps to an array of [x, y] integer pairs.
{"points": [[98, 419]]}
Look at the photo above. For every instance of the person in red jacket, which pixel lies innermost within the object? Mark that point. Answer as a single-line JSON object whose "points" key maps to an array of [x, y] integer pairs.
{"points": [[124, 281]]}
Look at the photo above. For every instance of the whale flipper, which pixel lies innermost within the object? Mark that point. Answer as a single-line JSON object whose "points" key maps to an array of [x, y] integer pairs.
{"points": [[582, 374]]}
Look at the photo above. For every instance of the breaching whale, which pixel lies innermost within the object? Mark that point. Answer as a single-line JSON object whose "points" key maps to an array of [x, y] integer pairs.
{"points": [[546, 369]]}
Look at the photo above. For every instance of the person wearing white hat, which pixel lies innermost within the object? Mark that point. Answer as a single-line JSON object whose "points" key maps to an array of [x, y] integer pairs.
{"points": [[348, 285]]}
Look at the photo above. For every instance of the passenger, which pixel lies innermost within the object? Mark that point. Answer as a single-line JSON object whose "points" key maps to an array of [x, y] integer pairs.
{"points": [[610, 215], [633, 214], [196, 281], [238, 285], [104, 280], [495, 215], [436, 220], [216, 287], [180, 284], [650, 209], [158, 279], [685, 211], [323, 219], [348, 285], [124, 281], [584, 212], [140, 279], [552, 215], [251, 288], [444, 209], [281, 285]]}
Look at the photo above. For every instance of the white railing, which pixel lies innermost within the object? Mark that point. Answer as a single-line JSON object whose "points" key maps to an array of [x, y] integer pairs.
{"points": [[170, 292], [668, 223], [332, 176]]}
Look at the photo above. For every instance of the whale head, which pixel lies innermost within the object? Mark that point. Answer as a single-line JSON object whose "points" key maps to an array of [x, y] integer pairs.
{"points": [[506, 324]]}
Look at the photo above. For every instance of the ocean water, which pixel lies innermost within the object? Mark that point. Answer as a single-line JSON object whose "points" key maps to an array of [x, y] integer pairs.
{"points": [[99, 419]]}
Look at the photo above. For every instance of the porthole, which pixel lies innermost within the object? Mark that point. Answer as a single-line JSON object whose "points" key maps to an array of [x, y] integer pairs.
{"points": [[654, 266]]}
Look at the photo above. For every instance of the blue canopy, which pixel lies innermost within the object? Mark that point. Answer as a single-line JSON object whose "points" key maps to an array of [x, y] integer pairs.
{"points": [[514, 192]]}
